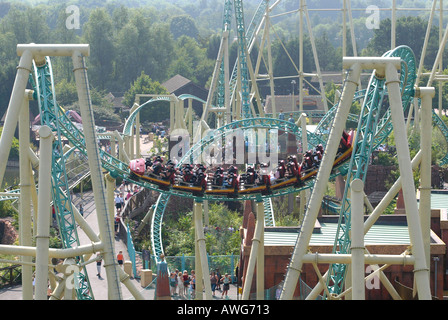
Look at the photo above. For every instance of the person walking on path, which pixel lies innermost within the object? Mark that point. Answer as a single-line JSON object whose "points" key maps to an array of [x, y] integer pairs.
{"points": [[180, 285], [118, 203], [117, 223], [213, 281], [173, 284], [225, 285], [218, 275], [193, 284], [120, 258], [98, 265], [186, 280]]}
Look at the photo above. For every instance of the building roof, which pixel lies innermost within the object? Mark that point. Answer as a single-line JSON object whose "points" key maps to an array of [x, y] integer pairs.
{"points": [[378, 234], [175, 83], [439, 199], [310, 102]]}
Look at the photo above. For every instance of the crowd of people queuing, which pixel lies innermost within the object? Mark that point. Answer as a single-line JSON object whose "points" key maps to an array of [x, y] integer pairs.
{"points": [[183, 285]]}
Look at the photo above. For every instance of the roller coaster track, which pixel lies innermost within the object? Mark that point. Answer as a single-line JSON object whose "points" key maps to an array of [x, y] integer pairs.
{"points": [[50, 113], [373, 129]]}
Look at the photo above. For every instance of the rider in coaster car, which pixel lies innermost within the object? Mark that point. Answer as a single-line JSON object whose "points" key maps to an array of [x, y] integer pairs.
{"points": [[281, 169], [148, 163], [218, 177], [265, 178], [231, 176], [308, 160], [188, 175], [343, 145], [157, 167], [250, 175], [292, 165], [168, 170]]}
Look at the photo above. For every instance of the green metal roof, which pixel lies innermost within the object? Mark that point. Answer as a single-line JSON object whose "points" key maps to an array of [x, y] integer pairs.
{"points": [[439, 200], [378, 234]]}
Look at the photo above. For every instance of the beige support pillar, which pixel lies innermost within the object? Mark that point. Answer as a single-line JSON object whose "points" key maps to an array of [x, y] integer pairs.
{"points": [[421, 271], [323, 175], [13, 111], [106, 229], [426, 95], [44, 218], [137, 136], [110, 189], [253, 257], [202, 250], [25, 220], [357, 234], [304, 194], [260, 252]]}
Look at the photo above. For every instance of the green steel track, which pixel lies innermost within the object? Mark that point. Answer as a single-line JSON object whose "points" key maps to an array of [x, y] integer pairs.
{"points": [[43, 85], [374, 126]]}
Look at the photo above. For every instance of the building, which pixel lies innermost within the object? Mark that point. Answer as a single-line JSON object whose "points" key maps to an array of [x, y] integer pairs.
{"points": [[389, 235], [179, 85], [291, 103]]}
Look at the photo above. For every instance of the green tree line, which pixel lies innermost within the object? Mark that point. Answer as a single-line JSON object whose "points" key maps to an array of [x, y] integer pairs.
{"points": [[159, 39]]}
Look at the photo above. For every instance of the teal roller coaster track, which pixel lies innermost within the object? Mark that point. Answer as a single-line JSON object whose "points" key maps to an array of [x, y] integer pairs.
{"points": [[374, 126]]}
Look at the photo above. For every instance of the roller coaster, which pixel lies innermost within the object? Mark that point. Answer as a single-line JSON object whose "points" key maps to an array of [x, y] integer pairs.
{"points": [[196, 179], [190, 179]]}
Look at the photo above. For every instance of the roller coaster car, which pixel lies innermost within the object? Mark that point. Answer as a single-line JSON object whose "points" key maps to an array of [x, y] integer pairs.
{"points": [[224, 184], [345, 147], [158, 174], [195, 182], [255, 182]]}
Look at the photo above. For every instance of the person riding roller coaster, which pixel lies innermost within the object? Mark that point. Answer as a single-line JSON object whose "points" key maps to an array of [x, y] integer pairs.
{"points": [[194, 177], [231, 179], [344, 143], [293, 168], [218, 177], [265, 178], [168, 171], [199, 174], [281, 170]]}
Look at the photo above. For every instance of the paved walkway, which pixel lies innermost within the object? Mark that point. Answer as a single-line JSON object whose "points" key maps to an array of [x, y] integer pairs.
{"points": [[99, 284]]}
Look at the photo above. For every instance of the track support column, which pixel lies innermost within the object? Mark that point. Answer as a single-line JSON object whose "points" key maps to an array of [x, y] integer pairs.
{"points": [[13, 111], [106, 229], [426, 94], [357, 249], [25, 220], [202, 250], [421, 271], [44, 213], [256, 257], [301, 247]]}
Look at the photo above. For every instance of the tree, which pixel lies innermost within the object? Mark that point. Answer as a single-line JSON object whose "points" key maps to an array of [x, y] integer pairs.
{"points": [[160, 52], [329, 59], [282, 64], [183, 25], [98, 33], [157, 111], [410, 31], [191, 61]]}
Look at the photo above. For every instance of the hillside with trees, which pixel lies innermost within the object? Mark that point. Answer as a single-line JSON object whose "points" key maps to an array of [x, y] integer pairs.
{"points": [[162, 38]]}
